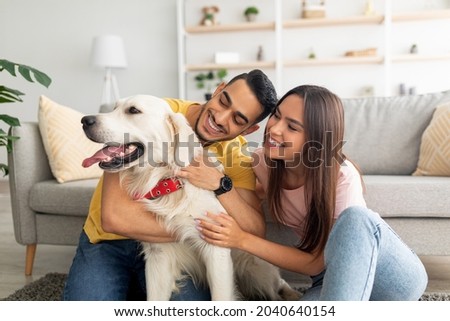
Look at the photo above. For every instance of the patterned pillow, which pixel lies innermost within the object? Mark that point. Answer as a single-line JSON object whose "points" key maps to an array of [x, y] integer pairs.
{"points": [[65, 143], [434, 158]]}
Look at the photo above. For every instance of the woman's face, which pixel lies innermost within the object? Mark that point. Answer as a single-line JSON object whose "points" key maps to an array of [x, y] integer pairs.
{"points": [[285, 135]]}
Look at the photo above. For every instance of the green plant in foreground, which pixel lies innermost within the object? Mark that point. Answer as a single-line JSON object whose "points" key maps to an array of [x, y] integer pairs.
{"points": [[9, 95]]}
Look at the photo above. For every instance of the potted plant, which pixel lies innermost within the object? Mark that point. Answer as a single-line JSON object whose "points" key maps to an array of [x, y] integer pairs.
{"points": [[251, 13], [205, 80], [221, 74], [9, 95]]}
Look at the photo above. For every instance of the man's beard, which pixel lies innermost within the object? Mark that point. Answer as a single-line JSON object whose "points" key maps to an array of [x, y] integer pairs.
{"points": [[203, 140]]}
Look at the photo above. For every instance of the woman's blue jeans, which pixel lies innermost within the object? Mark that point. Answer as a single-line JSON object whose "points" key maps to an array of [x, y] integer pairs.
{"points": [[115, 270], [366, 260]]}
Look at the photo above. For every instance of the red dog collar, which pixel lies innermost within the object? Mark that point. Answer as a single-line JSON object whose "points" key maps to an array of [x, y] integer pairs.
{"points": [[164, 187]]}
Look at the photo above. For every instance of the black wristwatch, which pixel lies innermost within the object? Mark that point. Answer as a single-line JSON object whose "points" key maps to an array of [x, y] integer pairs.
{"points": [[226, 184]]}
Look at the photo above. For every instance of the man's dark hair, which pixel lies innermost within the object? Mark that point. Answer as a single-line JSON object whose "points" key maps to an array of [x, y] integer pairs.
{"points": [[263, 89]]}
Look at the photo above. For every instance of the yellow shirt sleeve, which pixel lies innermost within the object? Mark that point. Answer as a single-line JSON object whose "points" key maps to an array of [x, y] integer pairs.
{"points": [[93, 226], [237, 162]]}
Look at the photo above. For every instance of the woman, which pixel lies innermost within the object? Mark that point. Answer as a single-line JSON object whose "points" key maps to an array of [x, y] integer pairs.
{"points": [[347, 249]]}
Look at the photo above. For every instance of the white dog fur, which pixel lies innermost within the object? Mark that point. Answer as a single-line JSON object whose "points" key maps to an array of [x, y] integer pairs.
{"points": [[150, 122]]}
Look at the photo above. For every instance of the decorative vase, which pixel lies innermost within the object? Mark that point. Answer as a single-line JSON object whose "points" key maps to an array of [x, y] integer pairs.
{"points": [[250, 17]]}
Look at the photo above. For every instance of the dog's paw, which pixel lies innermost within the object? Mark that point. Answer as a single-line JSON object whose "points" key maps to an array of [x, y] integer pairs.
{"points": [[289, 294]]}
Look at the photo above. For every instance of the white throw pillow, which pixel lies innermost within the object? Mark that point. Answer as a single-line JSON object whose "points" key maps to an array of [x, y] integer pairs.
{"points": [[65, 143]]}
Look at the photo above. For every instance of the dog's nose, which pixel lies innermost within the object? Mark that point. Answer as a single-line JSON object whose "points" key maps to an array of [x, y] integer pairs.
{"points": [[88, 121]]}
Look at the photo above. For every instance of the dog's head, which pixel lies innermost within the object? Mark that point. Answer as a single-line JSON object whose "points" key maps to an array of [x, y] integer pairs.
{"points": [[141, 130]]}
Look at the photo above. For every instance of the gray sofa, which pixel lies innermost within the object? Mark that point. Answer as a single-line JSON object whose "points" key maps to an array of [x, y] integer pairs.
{"points": [[383, 137]]}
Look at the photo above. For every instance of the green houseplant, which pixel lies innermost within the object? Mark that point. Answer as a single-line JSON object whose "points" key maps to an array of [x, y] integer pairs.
{"points": [[250, 13], [205, 80], [9, 95]]}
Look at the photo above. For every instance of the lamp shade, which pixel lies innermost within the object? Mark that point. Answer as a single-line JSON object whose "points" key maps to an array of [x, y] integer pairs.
{"points": [[108, 51]]}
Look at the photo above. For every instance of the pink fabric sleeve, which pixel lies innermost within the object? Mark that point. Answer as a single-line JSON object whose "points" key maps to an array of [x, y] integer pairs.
{"points": [[349, 189]]}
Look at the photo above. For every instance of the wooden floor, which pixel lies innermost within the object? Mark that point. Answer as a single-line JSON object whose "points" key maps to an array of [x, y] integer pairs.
{"points": [[51, 258]]}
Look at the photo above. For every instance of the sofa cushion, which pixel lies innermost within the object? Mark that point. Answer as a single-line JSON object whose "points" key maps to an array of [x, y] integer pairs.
{"points": [[408, 196], [65, 143], [72, 198], [434, 157], [383, 134]]}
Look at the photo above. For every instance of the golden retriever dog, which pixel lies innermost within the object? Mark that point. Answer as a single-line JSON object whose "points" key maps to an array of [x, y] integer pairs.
{"points": [[147, 142]]}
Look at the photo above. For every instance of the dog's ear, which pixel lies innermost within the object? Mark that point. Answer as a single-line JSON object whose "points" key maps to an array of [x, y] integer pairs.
{"points": [[185, 144]]}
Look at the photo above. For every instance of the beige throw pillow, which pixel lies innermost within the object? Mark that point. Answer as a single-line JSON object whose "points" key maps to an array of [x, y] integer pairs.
{"points": [[65, 142], [434, 158]]}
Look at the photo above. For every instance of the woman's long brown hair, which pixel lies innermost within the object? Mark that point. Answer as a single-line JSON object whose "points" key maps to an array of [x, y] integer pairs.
{"points": [[321, 157]]}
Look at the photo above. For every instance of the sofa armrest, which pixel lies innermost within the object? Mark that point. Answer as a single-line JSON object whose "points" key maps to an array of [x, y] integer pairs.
{"points": [[28, 164]]}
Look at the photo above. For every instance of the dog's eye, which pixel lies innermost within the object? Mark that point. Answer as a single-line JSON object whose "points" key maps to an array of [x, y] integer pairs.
{"points": [[134, 110]]}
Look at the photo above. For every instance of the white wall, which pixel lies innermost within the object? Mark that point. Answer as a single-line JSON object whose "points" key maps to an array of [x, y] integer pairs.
{"points": [[55, 36]]}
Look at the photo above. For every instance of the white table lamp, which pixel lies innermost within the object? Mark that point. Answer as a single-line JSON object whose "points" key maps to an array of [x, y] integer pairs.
{"points": [[108, 52]]}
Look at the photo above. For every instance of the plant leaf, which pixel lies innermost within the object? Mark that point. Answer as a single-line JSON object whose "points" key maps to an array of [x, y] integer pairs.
{"points": [[9, 145], [4, 168], [3, 140], [8, 66], [210, 75], [9, 99], [200, 77], [10, 90], [25, 72], [41, 78], [7, 140], [8, 95], [11, 121], [13, 95]]}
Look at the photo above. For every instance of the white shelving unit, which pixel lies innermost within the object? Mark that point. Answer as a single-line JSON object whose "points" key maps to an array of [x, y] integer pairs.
{"points": [[278, 26], [328, 22]]}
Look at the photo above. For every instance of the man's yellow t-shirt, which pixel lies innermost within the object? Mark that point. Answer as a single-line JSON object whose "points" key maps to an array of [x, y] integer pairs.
{"points": [[233, 155]]}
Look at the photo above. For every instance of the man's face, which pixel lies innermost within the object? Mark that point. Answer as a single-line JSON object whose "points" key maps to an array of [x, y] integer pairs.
{"points": [[231, 111]]}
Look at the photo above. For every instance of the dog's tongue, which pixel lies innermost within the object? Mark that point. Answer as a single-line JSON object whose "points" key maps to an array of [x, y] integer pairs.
{"points": [[102, 154]]}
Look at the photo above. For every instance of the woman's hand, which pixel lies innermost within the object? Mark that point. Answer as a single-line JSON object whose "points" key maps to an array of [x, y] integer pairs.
{"points": [[223, 231]]}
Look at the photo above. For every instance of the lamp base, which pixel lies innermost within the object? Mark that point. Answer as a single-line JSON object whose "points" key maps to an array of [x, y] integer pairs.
{"points": [[110, 89], [106, 108]]}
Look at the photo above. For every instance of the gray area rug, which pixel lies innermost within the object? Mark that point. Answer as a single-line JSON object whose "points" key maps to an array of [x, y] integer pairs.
{"points": [[50, 287], [47, 288]]}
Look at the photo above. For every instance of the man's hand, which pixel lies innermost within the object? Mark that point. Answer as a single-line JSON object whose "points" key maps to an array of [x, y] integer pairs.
{"points": [[203, 172]]}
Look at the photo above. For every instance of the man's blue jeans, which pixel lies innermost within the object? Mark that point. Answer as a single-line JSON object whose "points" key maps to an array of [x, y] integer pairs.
{"points": [[366, 260], [115, 270]]}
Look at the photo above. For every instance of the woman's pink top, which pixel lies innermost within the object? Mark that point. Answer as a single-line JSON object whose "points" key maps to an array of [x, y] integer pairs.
{"points": [[349, 193]]}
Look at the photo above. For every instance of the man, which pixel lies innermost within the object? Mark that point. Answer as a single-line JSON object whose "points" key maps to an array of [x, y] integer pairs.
{"points": [[108, 264]]}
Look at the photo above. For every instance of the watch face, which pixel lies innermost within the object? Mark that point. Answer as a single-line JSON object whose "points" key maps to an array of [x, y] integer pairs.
{"points": [[227, 183]]}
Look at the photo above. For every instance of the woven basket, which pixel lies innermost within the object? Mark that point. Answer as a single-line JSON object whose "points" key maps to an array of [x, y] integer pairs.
{"points": [[313, 10]]}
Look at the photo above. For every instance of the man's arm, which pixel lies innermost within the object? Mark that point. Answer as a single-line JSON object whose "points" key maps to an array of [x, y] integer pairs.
{"points": [[124, 216]]}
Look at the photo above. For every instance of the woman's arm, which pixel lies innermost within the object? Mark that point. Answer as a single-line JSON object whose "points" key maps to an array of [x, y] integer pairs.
{"points": [[226, 232], [245, 207], [259, 190], [127, 217]]}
